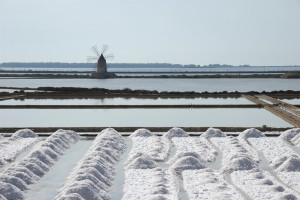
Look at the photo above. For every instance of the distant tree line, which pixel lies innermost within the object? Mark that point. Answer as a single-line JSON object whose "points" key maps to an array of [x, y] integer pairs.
{"points": [[110, 65]]}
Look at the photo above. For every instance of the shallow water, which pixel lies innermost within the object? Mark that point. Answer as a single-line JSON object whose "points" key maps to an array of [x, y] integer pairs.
{"points": [[235, 117], [292, 101], [169, 84], [126, 101]]}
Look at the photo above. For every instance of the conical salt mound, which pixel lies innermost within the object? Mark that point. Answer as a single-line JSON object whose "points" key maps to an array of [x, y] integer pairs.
{"points": [[25, 133], [213, 132], [290, 134], [141, 133], [187, 163], [251, 133], [142, 162], [292, 164], [175, 132]]}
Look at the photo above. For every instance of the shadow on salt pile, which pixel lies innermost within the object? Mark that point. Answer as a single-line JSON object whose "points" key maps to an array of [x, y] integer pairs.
{"points": [[286, 163], [292, 136]]}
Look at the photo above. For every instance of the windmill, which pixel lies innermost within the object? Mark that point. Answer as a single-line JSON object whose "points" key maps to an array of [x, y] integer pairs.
{"points": [[101, 58]]}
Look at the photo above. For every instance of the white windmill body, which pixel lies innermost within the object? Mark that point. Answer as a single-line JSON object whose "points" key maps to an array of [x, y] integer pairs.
{"points": [[101, 62]]}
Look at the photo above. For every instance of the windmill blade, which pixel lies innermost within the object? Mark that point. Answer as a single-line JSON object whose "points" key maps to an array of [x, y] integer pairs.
{"points": [[95, 50], [109, 56], [104, 48], [92, 58]]}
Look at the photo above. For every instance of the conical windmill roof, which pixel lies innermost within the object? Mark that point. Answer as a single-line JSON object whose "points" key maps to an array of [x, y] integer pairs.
{"points": [[101, 57]]}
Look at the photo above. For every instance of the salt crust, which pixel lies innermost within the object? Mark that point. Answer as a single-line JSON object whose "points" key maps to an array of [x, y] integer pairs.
{"points": [[208, 184], [175, 132], [30, 169], [93, 174], [235, 156], [156, 184], [141, 133], [261, 185], [213, 132], [154, 146], [196, 145], [19, 141]]}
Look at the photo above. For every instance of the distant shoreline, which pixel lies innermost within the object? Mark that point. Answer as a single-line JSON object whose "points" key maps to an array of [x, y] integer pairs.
{"points": [[75, 76]]}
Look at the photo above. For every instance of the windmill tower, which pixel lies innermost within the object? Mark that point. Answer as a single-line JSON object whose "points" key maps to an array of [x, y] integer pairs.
{"points": [[101, 62]]}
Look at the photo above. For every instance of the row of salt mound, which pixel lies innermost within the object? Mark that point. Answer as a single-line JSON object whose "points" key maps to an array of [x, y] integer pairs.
{"points": [[15, 180], [191, 160], [18, 142], [146, 142], [260, 184], [93, 175], [292, 135], [286, 163], [243, 138], [151, 184], [186, 160], [239, 158], [141, 160]]}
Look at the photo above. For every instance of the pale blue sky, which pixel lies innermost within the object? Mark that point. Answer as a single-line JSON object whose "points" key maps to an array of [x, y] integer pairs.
{"points": [[255, 32]]}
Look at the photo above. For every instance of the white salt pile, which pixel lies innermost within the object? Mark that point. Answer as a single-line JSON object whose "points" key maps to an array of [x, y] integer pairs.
{"points": [[93, 175], [260, 185], [175, 132], [290, 134], [235, 156], [19, 141], [187, 163], [213, 132], [141, 133], [251, 133], [16, 178], [282, 158], [239, 162], [151, 184], [140, 161], [272, 148], [208, 184], [198, 145], [156, 147], [24, 133], [1, 136], [185, 154], [287, 163]]}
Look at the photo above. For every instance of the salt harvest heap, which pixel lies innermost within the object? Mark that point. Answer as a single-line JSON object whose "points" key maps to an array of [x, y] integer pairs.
{"points": [[101, 65]]}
